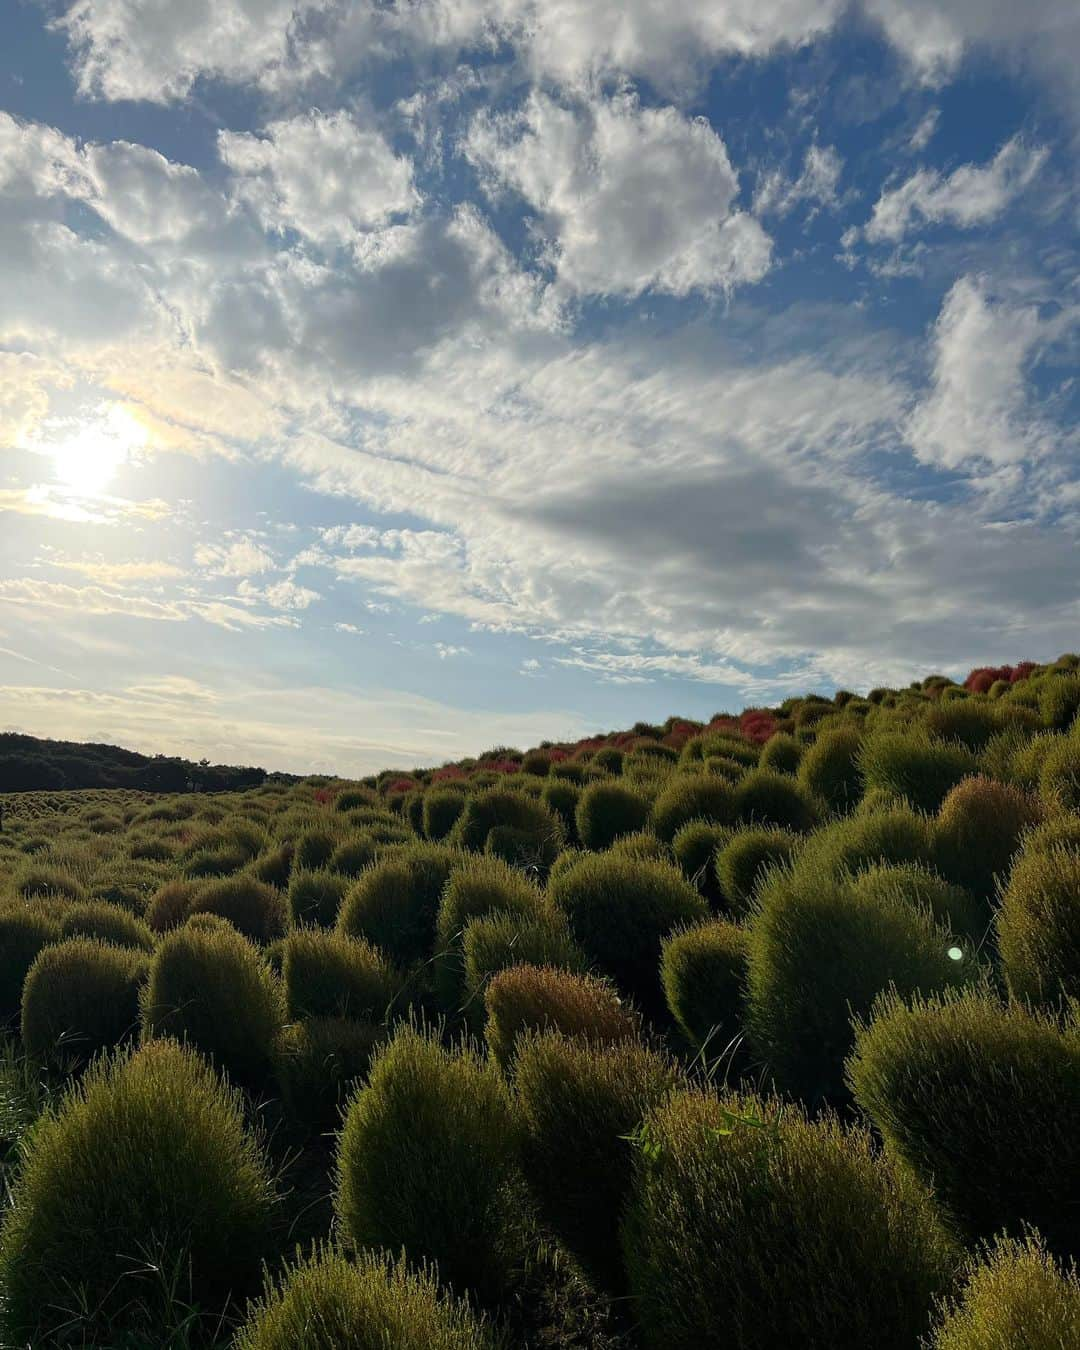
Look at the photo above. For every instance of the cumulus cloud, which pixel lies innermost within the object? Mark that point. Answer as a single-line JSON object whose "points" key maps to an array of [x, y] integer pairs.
{"points": [[977, 408], [321, 175], [971, 195], [630, 198], [237, 558]]}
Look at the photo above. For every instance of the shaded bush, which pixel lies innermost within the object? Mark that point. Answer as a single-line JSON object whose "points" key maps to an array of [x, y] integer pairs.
{"points": [[170, 905], [609, 759], [493, 942], [829, 769], [922, 771], [210, 987], [334, 975], [327, 1302], [1059, 702], [561, 799], [394, 903], [692, 797], [351, 857], [644, 846], [750, 1226], [428, 1160], [607, 810], [887, 835], [619, 910], [977, 831], [971, 723], [314, 849], [951, 907], [820, 953], [145, 1169], [544, 998], [1014, 1297], [578, 1102], [253, 908], [983, 1102], [24, 931], [442, 806], [695, 849], [1059, 776], [782, 754], [111, 923], [319, 1062], [703, 971], [516, 828], [36, 882], [1038, 925], [744, 861], [315, 897], [81, 996], [766, 798]]}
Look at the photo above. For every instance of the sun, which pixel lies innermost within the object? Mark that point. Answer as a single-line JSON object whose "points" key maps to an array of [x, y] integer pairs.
{"points": [[87, 463]]}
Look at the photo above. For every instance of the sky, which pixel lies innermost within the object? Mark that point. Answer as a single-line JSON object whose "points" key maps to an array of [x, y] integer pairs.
{"points": [[384, 380]]}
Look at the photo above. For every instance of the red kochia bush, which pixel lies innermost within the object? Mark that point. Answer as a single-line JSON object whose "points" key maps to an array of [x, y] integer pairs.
{"points": [[757, 725], [982, 677]]}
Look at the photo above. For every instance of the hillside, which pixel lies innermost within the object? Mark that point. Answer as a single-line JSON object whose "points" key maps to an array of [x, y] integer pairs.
{"points": [[755, 1032]]}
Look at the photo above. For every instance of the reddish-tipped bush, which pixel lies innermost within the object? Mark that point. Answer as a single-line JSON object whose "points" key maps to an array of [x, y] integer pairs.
{"points": [[542, 998]]}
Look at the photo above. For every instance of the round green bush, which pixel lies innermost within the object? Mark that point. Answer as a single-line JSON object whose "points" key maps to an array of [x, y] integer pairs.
{"points": [[210, 987], [1028, 759], [968, 721], [695, 848], [334, 975], [982, 1101], [620, 910], [351, 857], [428, 1161], [480, 886], [542, 998], [1016, 1298], [111, 923], [703, 971], [744, 861], [319, 1062], [253, 908], [1060, 701], [951, 907], [35, 882], [775, 799], [169, 906], [24, 931], [349, 799], [914, 767], [314, 849], [977, 831], [328, 1302], [315, 897], [607, 810], [442, 806], [751, 1226], [493, 942], [81, 996], [1038, 925], [394, 903], [579, 1101], [608, 758], [781, 753], [818, 954], [141, 1194], [525, 831], [829, 769], [1059, 777], [643, 846], [690, 797], [887, 835], [561, 799]]}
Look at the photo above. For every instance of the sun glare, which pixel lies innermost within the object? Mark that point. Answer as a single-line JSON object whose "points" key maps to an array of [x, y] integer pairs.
{"points": [[91, 458]]}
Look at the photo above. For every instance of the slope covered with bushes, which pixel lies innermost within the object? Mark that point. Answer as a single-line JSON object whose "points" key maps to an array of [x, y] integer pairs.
{"points": [[756, 1032]]}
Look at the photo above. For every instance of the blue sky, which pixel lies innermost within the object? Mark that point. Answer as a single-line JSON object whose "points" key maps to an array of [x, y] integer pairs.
{"points": [[383, 381]]}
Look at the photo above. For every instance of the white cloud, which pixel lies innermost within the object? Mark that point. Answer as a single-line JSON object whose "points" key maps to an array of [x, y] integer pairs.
{"points": [[924, 133], [286, 594], [971, 195], [630, 198], [446, 650], [237, 558], [977, 406], [322, 175], [817, 183]]}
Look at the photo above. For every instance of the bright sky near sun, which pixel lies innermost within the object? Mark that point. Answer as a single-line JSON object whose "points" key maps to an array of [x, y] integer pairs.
{"points": [[383, 381]]}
